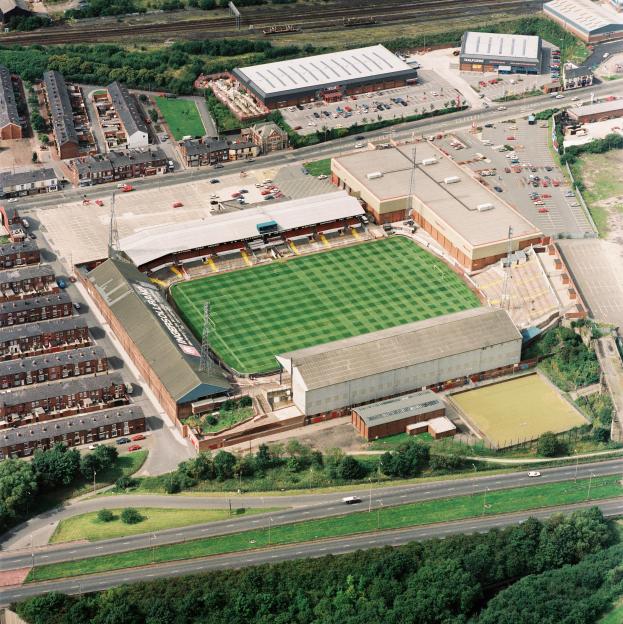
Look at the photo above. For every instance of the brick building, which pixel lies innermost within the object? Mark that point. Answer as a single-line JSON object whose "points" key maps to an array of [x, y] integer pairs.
{"points": [[61, 115], [20, 406], [200, 152], [118, 165], [35, 309], [10, 125], [50, 367], [129, 114], [125, 420], [19, 254], [27, 281], [18, 184], [268, 136], [601, 111], [43, 337]]}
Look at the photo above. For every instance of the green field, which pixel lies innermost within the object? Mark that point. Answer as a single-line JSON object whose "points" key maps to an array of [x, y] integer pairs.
{"points": [[264, 311], [383, 518], [319, 167], [522, 409], [181, 116]]}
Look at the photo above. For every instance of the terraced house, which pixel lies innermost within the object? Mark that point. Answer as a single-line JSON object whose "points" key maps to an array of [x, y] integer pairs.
{"points": [[10, 126]]}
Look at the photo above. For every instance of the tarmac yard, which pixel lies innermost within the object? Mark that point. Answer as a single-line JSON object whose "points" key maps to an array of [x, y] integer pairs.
{"points": [[517, 411]]}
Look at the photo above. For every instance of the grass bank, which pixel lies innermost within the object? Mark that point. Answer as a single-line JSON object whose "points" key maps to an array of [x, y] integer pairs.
{"points": [[384, 518], [89, 527]]}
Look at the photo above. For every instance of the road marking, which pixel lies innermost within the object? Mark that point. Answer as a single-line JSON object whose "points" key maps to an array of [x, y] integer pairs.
{"points": [[255, 521], [99, 547], [123, 544], [44, 556], [404, 496], [71, 552]]}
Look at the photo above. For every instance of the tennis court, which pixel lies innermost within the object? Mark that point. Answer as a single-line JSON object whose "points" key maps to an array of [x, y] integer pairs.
{"points": [[519, 410], [260, 312]]}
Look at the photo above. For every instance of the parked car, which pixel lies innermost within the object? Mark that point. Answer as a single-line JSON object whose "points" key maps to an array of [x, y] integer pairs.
{"points": [[498, 189], [13, 200], [77, 306], [93, 446], [134, 447], [122, 440], [61, 283], [214, 181], [218, 166], [138, 437]]}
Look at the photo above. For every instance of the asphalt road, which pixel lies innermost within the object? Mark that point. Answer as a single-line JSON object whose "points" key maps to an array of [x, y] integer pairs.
{"points": [[98, 582], [301, 507], [445, 123]]}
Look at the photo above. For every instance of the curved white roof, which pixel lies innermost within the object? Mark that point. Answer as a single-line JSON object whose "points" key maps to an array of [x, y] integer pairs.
{"points": [[153, 243]]}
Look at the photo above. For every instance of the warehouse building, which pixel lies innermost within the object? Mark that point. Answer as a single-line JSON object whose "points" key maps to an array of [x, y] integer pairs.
{"points": [[496, 52], [13, 8], [254, 228], [392, 416], [596, 112], [159, 344], [50, 367], [23, 441], [589, 21], [326, 76], [328, 378], [469, 221], [10, 125]]}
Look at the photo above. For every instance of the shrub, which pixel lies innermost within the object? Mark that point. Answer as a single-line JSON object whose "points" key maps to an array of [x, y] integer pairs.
{"points": [[548, 445], [123, 483], [105, 515], [349, 469], [131, 516], [173, 486]]}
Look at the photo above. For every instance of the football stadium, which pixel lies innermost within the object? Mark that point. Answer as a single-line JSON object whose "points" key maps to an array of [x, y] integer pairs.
{"points": [[260, 312]]}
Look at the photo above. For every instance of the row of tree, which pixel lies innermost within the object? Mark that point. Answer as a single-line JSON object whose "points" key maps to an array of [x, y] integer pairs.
{"points": [[22, 481], [446, 581]]}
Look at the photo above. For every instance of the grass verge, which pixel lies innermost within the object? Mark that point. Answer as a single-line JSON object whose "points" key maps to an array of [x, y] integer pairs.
{"points": [[181, 116], [428, 512], [87, 526], [319, 167]]}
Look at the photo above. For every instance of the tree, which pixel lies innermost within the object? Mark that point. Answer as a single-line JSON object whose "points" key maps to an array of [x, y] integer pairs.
{"points": [[88, 466], [106, 456], [125, 482], [105, 515], [153, 114], [264, 458], [18, 485], [35, 158], [349, 469], [131, 516], [407, 461], [56, 466], [224, 465], [548, 445]]}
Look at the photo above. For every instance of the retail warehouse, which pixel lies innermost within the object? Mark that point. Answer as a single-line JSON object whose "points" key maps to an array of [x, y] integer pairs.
{"points": [[506, 54], [330, 377], [252, 227], [589, 21], [469, 221], [325, 76]]}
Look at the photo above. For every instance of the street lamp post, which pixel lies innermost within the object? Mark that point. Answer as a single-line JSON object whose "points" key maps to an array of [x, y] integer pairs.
{"points": [[370, 499], [94, 475]]}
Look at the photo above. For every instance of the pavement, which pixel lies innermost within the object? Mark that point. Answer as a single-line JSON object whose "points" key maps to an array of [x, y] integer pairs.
{"points": [[298, 507], [320, 548]]}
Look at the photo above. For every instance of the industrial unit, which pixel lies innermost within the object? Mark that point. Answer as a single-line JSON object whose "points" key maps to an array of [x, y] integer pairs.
{"points": [[471, 223], [230, 232], [326, 76], [589, 21], [392, 416], [330, 377], [597, 112], [506, 54]]}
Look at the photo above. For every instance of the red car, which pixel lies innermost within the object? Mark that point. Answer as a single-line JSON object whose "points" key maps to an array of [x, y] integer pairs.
{"points": [[510, 138], [137, 437], [134, 447], [99, 202], [177, 204], [127, 188], [543, 210], [556, 182], [235, 195]]}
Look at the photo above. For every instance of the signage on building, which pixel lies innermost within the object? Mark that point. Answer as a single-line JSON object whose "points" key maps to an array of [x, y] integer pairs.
{"points": [[163, 312]]}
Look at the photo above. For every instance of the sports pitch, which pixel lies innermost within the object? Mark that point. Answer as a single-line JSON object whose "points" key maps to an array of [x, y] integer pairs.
{"points": [[260, 312], [519, 410]]}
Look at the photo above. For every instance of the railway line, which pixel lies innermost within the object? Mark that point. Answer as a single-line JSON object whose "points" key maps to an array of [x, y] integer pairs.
{"points": [[255, 20]]}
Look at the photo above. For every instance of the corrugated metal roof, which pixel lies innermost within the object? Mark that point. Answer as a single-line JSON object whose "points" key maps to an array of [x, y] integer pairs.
{"points": [[156, 330], [323, 70], [153, 243], [496, 45], [587, 16], [400, 347], [399, 407]]}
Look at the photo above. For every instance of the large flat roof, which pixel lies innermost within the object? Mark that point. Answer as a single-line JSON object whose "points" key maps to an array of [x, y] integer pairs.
{"points": [[587, 16], [501, 46], [595, 109], [153, 243], [399, 407], [399, 347], [456, 204], [323, 70]]}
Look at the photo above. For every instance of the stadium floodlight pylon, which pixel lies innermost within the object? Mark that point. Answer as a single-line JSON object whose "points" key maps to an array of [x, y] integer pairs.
{"points": [[204, 362], [113, 231]]}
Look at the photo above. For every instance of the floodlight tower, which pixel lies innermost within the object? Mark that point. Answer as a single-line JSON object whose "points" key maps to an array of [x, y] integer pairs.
{"points": [[505, 299], [205, 362], [412, 182], [113, 231]]}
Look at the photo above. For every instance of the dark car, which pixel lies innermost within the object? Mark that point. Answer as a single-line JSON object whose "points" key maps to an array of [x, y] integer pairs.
{"points": [[32, 236], [498, 189], [123, 440], [360, 137], [61, 283], [488, 125], [218, 166], [214, 181]]}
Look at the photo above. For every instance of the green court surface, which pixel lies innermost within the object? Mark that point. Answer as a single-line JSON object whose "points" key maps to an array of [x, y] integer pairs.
{"points": [[181, 116], [519, 410], [260, 312]]}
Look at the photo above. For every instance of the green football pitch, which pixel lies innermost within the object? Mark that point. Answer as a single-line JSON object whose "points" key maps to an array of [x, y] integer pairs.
{"points": [[260, 312]]}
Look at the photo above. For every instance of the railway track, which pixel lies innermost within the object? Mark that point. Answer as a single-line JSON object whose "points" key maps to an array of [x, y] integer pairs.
{"points": [[313, 18]]}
